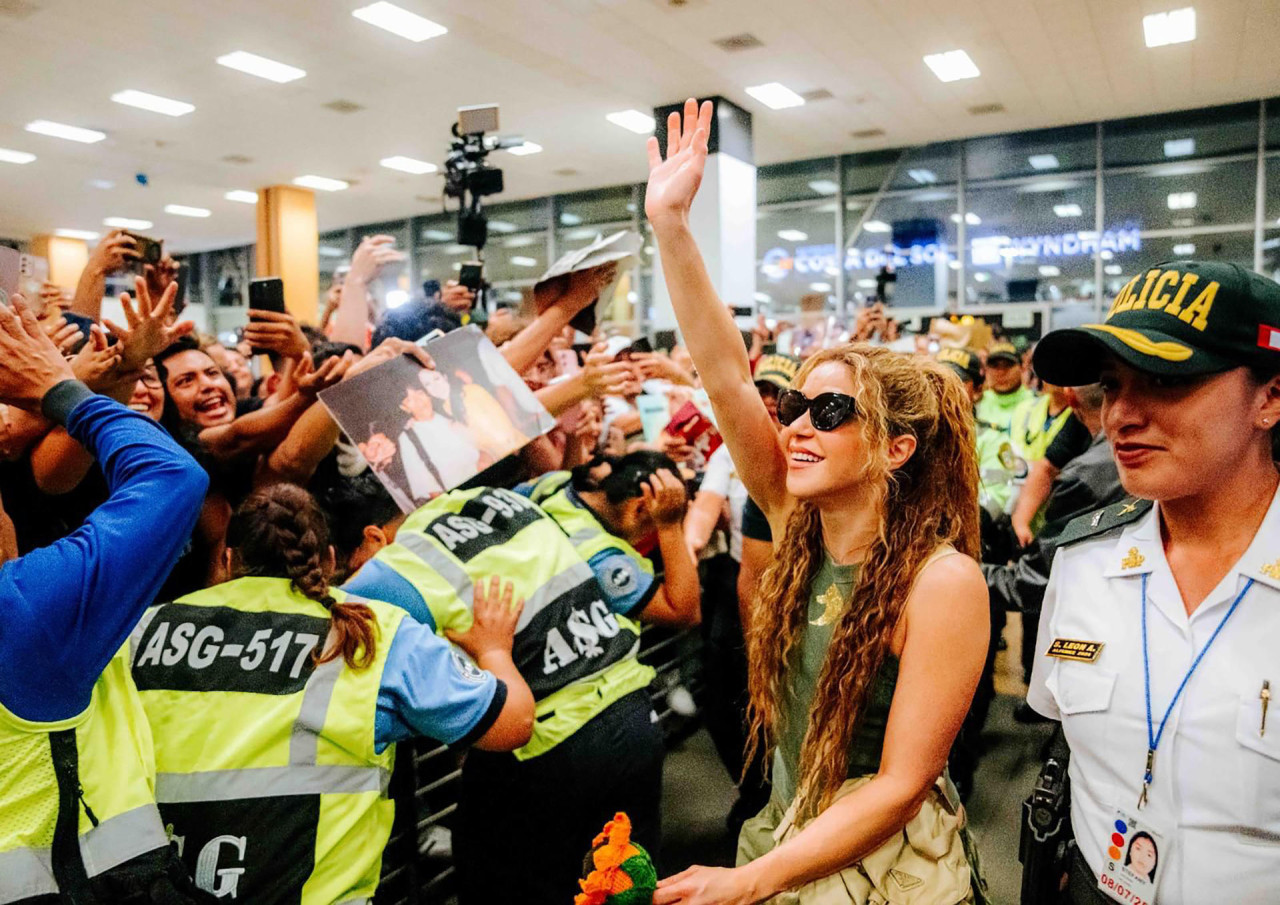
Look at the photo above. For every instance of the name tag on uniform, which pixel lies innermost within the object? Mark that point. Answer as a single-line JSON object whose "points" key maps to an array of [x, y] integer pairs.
{"points": [[1080, 651], [1134, 855]]}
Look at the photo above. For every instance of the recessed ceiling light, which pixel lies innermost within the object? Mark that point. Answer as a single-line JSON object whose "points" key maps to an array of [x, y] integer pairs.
{"points": [[876, 226], [971, 218], [1181, 201], [867, 284], [242, 196], [577, 235], [520, 241], [399, 21], [1068, 210], [152, 102], [923, 177], [330, 251], [982, 277], [103, 184], [775, 95], [952, 65], [321, 183], [87, 235], [1043, 161], [408, 165], [1113, 270], [261, 67], [634, 120], [792, 235], [954, 265], [1174, 27], [1048, 270], [502, 226], [437, 235], [824, 186], [70, 133], [820, 287], [7, 156], [1180, 147], [182, 210], [524, 261], [529, 147], [1184, 249], [1106, 254], [126, 223], [569, 219]]}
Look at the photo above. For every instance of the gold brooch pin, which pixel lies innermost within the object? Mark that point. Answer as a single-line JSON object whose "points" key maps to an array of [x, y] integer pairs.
{"points": [[834, 603], [1133, 560], [1272, 569], [1129, 507]]}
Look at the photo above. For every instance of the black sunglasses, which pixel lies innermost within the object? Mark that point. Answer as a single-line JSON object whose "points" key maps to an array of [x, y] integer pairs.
{"points": [[827, 411]]}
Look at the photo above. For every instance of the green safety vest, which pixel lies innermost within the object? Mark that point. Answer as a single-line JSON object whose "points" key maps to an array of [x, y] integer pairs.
{"points": [[1030, 429], [95, 774], [996, 470], [576, 655], [267, 776], [997, 409], [589, 536]]}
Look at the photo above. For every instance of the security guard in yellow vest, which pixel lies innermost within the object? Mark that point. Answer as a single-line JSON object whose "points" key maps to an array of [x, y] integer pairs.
{"points": [[595, 749], [275, 702], [1037, 421], [78, 820]]}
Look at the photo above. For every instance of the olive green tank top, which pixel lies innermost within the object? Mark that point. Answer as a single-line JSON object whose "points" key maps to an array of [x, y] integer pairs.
{"points": [[828, 598]]}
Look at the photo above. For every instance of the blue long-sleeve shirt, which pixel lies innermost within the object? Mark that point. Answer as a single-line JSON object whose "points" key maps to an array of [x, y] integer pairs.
{"points": [[67, 608]]}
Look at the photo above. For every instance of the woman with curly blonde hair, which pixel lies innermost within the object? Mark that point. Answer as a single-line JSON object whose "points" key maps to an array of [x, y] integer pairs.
{"points": [[868, 637]]}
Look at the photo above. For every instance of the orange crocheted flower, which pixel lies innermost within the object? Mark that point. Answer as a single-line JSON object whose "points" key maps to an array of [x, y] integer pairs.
{"points": [[608, 878]]}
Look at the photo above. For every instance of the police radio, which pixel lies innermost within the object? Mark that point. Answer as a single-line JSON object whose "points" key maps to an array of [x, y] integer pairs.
{"points": [[1044, 847]]}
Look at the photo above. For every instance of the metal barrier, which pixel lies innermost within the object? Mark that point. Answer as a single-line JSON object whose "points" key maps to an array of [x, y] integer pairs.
{"points": [[417, 866]]}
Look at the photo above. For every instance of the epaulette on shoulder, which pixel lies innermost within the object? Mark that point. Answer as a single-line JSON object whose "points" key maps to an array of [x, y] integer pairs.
{"points": [[1101, 521]]}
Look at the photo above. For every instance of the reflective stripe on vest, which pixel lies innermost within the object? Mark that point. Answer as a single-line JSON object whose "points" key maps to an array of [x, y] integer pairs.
{"points": [[267, 766], [112, 749], [28, 872], [571, 649]]}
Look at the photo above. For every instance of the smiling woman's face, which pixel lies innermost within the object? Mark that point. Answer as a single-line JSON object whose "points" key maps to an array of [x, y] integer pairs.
{"points": [[199, 391], [824, 463]]}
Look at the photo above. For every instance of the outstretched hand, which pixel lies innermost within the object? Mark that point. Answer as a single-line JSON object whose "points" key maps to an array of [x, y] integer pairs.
{"points": [[30, 364], [149, 331], [674, 182]]}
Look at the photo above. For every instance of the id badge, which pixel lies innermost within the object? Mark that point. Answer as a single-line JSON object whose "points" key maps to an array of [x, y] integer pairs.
{"points": [[1133, 859]]}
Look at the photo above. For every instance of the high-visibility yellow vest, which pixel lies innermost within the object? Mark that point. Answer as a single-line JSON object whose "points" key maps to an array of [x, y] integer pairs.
{"points": [[589, 536], [267, 773], [1031, 432], [576, 655], [100, 763]]}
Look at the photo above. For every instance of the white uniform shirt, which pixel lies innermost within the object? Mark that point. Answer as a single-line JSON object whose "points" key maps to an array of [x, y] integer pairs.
{"points": [[721, 478], [1216, 788]]}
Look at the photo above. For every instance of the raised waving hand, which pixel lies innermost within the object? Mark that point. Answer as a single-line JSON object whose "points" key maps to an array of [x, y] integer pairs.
{"points": [[674, 182]]}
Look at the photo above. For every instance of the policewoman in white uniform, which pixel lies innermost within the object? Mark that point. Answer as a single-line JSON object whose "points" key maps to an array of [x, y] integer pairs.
{"points": [[1160, 633]]}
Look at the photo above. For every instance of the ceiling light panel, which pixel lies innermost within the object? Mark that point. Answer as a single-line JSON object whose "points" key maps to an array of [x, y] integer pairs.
{"points": [[87, 235], [7, 156], [824, 186], [1181, 201], [127, 223], [1068, 210], [321, 183], [792, 235], [523, 150], [61, 130], [775, 96], [952, 65], [923, 177], [153, 102], [1180, 147], [1113, 270], [1174, 27], [633, 120], [1184, 249], [876, 226], [1048, 270], [242, 196], [183, 210], [262, 67], [408, 165], [392, 18]]}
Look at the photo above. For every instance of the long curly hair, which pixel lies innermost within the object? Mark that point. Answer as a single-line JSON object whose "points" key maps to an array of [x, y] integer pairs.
{"points": [[932, 499], [281, 532]]}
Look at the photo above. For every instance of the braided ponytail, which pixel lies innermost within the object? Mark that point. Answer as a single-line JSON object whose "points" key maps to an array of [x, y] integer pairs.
{"points": [[280, 532]]}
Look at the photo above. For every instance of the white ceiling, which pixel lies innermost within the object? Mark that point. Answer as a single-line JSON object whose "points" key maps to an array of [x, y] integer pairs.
{"points": [[556, 67]]}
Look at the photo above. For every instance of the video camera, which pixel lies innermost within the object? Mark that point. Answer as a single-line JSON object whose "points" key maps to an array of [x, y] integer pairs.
{"points": [[467, 176]]}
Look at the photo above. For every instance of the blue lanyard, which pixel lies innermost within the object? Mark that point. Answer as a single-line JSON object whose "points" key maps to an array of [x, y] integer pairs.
{"points": [[1154, 735]]}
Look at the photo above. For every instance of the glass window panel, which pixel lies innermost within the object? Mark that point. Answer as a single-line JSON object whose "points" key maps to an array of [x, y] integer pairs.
{"points": [[1032, 241], [517, 216], [865, 173], [518, 258], [1271, 210], [911, 233], [1231, 248], [803, 180], [611, 205], [796, 255], [334, 250], [395, 284], [1182, 196], [937, 164], [1177, 136], [1273, 123], [1031, 153], [1271, 253], [436, 229]]}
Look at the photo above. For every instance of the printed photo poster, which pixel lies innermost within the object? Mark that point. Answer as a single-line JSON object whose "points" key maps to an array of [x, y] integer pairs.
{"points": [[425, 431]]}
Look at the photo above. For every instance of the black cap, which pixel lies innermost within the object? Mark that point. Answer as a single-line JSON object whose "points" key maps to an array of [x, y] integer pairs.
{"points": [[965, 363], [1003, 350], [1177, 318]]}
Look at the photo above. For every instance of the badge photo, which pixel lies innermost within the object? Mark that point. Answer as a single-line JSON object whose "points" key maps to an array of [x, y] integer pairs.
{"points": [[1133, 852]]}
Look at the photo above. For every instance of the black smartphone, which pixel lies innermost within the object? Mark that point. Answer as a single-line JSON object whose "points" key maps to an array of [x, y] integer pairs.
{"points": [[148, 250], [267, 294], [471, 275], [641, 346]]}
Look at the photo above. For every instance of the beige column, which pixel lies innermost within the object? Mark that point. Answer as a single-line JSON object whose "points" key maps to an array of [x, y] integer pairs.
{"points": [[288, 246], [66, 257]]}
